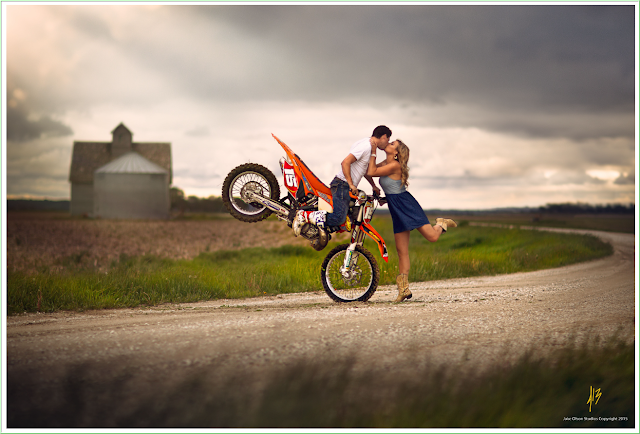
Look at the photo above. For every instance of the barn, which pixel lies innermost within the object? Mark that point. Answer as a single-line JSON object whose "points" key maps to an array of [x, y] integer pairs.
{"points": [[126, 170], [131, 187]]}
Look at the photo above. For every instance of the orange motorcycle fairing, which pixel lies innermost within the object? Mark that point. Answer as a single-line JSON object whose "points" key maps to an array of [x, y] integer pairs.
{"points": [[375, 236], [310, 181], [291, 179]]}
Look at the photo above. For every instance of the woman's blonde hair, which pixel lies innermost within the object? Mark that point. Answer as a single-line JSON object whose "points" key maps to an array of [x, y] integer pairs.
{"points": [[403, 159]]}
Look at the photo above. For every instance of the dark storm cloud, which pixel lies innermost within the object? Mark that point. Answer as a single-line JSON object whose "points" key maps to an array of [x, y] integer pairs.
{"points": [[626, 180], [515, 60], [25, 122], [541, 70], [21, 128]]}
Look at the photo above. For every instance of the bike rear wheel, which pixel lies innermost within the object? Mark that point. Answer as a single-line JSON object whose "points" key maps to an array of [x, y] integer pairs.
{"points": [[358, 283], [244, 178]]}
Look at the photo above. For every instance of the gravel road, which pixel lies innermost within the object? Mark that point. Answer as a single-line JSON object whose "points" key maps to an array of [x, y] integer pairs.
{"points": [[474, 322]]}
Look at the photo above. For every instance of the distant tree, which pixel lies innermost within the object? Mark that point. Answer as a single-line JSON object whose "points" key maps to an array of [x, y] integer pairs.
{"points": [[37, 205], [195, 204], [585, 208], [178, 203]]}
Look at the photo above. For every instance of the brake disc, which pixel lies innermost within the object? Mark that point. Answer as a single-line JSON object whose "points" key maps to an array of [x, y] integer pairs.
{"points": [[251, 187]]}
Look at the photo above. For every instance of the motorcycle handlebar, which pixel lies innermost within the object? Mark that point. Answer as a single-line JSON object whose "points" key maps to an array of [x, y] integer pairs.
{"points": [[381, 200]]}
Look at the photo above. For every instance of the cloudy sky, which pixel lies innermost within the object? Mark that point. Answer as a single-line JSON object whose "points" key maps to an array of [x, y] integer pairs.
{"points": [[501, 105]]}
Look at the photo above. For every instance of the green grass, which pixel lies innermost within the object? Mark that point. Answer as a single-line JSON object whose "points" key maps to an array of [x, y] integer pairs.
{"points": [[149, 280], [600, 222], [475, 251], [325, 392]]}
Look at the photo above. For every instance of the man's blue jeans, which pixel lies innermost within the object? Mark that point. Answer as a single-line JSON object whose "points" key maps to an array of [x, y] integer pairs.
{"points": [[340, 193]]}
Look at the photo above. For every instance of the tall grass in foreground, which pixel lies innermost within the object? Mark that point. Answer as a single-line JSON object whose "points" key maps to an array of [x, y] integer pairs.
{"points": [[149, 280], [322, 393]]}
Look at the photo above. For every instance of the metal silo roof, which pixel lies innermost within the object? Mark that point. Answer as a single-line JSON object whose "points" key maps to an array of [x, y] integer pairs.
{"points": [[131, 162]]}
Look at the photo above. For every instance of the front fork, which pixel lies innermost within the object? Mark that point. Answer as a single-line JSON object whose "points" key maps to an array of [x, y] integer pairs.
{"points": [[357, 238], [351, 257]]}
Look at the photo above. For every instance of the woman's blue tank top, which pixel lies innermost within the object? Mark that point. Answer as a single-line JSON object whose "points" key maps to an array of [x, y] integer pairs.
{"points": [[391, 186]]}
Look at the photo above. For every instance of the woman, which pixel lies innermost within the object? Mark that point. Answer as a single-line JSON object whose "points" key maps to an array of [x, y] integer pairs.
{"points": [[406, 212]]}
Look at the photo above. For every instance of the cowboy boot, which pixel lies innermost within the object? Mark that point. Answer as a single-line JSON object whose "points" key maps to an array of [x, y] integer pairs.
{"points": [[444, 223], [403, 287]]}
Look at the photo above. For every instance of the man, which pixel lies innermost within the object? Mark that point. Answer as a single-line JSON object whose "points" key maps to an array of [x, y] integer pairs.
{"points": [[353, 168]]}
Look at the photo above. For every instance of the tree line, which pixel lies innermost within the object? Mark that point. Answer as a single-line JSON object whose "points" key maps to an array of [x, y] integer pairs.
{"points": [[585, 208], [213, 204], [194, 204]]}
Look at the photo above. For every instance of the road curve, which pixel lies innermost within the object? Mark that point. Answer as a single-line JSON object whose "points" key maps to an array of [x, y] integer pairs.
{"points": [[472, 321]]}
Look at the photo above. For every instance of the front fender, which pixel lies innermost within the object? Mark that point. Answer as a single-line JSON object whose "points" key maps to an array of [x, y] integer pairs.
{"points": [[375, 236]]}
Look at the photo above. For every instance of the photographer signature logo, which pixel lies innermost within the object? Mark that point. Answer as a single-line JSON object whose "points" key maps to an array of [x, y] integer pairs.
{"points": [[594, 397]]}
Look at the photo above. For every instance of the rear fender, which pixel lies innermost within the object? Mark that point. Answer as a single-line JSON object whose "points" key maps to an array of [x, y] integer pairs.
{"points": [[310, 182], [375, 236]]}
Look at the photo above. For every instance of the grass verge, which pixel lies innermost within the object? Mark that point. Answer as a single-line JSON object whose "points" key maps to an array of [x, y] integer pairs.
{"points": [[150, 280], [319, 392], [599, 222]]}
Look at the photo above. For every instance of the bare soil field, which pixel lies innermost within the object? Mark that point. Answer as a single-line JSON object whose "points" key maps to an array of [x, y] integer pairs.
{"points": [[36, 239]]}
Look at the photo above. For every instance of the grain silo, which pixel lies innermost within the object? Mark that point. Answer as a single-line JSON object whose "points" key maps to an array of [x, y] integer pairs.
{"points": [[131, 187], [87, 157]]}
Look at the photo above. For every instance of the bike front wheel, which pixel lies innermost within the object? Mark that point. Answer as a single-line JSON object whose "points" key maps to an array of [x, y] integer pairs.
{"points": [[358, 282]]}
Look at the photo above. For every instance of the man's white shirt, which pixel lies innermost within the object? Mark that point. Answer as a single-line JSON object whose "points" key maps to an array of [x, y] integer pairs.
{"points": [[362, 151]]}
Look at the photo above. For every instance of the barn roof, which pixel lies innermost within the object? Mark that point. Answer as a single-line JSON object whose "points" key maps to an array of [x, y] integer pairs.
{"points": [[131, 162], [89, 156]]}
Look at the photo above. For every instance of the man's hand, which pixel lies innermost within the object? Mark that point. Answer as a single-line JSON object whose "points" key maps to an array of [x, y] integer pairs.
{"points": [[375, 188], [353, 189]]}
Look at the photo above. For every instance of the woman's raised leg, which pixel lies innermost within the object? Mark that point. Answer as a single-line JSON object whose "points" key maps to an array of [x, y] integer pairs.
{"points": [[431, 233]]}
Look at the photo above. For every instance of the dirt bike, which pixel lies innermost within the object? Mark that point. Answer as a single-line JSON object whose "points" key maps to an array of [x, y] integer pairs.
{"points": [[349, 272]]}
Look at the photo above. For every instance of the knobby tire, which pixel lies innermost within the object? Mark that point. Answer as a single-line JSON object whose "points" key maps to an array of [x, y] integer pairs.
{"points": [[266, 174], [375, 270]]}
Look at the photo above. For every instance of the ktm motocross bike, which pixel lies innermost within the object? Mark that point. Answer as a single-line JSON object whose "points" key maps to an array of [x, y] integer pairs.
{"points": [[251, 193]]}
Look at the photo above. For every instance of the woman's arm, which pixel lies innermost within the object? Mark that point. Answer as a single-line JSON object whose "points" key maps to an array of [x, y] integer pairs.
{"points": [[382, 169]]}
